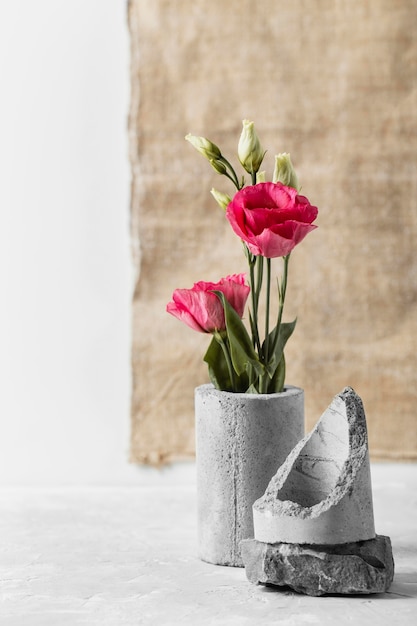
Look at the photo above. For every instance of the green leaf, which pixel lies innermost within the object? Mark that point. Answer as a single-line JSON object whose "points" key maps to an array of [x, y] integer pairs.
{"points": [[219, 372], [242, 351], [277, 382], [217, 366], [277, 339]]}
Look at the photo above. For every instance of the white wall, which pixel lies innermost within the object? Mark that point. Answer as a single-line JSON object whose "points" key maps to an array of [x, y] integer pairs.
{"points": [[64, 244]]}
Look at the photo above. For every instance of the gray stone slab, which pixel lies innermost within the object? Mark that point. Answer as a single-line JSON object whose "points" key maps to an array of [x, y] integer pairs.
{"points": [[363, 567]]}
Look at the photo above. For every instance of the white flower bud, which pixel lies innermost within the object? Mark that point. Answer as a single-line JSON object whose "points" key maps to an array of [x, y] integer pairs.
{"points": [[284, 171], [249, 150], [206, 147], [218, 166], [221, 198]]}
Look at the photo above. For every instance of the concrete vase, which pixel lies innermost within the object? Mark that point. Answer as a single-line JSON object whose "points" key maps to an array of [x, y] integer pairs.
{"points": [[241, 440]]}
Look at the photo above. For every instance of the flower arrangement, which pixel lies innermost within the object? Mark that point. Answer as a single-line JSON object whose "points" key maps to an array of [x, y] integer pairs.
{"points": [[270, 218]]}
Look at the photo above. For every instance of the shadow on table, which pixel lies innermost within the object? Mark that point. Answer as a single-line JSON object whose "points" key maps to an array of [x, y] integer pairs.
{"points": [[404, 585]]}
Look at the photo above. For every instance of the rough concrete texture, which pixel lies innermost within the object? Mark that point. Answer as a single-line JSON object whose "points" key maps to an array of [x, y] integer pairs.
{"points": [[241, 440], [355, 568], [322, 494]]}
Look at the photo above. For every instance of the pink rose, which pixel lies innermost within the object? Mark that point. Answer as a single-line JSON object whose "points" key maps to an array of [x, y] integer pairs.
{"points": [[202, 310], [271, 218]]}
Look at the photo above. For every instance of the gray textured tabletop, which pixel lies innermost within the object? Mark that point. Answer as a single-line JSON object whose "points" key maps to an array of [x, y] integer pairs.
{"points": [[127, 556]]}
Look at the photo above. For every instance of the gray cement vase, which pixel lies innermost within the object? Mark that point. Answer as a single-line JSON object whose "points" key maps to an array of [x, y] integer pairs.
{"points": [[241, 441]]}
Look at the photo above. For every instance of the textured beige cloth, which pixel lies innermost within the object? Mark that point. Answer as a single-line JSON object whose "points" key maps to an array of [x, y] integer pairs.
{"points": [[333, 82]]}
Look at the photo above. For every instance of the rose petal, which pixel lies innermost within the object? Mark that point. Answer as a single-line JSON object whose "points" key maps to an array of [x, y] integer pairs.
{"points": [[271, 218], [202, 310]]}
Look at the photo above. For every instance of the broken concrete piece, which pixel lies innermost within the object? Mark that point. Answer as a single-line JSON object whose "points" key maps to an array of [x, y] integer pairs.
{"points": [[355, 568], [322, 493]]}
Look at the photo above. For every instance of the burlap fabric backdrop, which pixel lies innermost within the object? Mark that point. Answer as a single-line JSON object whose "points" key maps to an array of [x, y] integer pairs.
{"points": [[335, 84]]}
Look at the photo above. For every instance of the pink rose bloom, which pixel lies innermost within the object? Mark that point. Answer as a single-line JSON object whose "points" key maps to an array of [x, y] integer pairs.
{"points": [[202, 310], [271, 218]]}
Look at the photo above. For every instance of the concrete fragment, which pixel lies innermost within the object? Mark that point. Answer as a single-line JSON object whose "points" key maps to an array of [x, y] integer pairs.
{"points": [[355, 568], [322, 493]]}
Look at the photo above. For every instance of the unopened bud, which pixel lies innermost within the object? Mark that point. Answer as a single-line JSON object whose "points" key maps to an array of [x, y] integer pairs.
{"points": [[249, 150], [206, 147], [222, 199], [260, 177], [219, 166], [284, 171]]}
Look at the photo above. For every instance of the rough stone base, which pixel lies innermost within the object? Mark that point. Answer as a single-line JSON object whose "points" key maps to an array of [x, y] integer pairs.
{"points": [[363, 567]]}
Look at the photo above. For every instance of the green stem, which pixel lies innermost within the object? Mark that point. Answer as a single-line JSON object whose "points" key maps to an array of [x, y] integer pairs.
{"points": [[283, 290], [233, 177], [263, 383], [259, 278], [255, 299], [268, 298], [259, 281]]}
